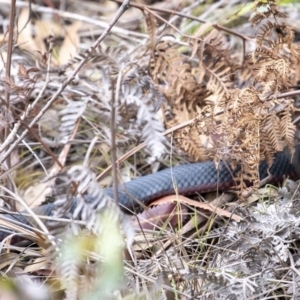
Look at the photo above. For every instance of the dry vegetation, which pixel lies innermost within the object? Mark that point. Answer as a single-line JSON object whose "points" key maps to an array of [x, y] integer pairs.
{"points": [[97, 92]]}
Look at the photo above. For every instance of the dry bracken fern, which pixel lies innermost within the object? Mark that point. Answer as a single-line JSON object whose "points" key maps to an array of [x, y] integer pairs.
{"points": [[243, 126]]}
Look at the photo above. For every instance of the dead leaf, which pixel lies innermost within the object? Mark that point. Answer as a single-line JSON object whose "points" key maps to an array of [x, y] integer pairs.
{"points": [[71, 42], [147, 240], [45, 28], [292, 186], [264, 192], [35, 195], [25, 39], [36, 266], [49, 124], [6, 259]]}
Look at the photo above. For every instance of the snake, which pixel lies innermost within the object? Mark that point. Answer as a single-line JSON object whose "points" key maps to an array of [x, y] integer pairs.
{"points": [[186, 179]]}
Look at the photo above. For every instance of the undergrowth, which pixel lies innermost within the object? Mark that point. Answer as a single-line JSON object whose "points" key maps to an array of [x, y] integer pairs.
{"points": [[88, 104]]}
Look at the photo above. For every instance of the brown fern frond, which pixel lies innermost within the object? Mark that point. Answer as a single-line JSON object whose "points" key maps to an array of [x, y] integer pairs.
{"points": [[285, 33], [246, 72], [219, 82], [275, 70], [263, 53], [267, 152], [152, 27], [295, 61], [257, 18], [215, 66], [277, 130], [273, 128], [266, 31], [203, 80], [194, 145], [266, 3], [239, 133], [111, 57], [269, 88], [211, 47], [173, 69], [270, 7], [287, 127], [277, 45], [199, 41], [197, 139]]}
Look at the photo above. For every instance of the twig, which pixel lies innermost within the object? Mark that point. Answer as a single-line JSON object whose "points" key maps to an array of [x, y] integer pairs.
{"points": [[288, 94]]}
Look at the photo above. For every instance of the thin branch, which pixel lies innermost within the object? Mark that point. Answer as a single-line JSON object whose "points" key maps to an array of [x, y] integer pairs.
{"points": [[288, 94]]}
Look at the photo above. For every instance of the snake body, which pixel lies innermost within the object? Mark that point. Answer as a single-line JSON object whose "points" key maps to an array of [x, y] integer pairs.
{"points": [[185, 179]]}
